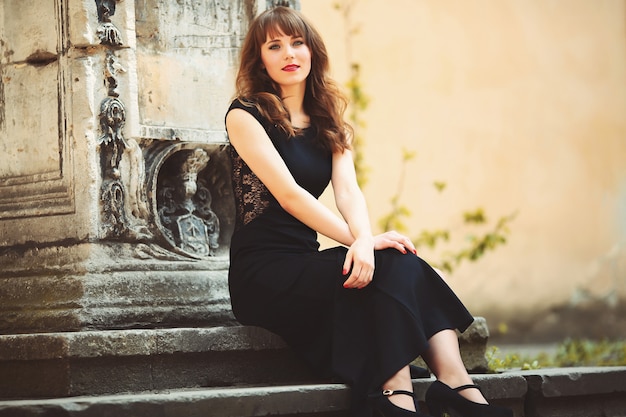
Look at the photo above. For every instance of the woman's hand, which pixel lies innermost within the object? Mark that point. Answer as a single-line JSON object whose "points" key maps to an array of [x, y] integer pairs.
{"points": [[360, 256], [394, 240], [359, 259]]}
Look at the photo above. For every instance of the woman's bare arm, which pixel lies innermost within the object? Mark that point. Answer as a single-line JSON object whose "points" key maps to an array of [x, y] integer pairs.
{"points": [[254, 146], [352, 206]]}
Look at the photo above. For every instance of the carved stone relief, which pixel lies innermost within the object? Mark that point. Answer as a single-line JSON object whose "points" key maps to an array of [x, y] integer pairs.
{"points": [[185, 208], [185, 203], [108, 33], [295, 4], [192, 200], [123, 214], [106, 9], [112, 142]]}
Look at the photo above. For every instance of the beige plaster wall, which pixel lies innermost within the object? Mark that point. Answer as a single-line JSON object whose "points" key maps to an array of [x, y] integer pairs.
{"points": [[519, 106]]}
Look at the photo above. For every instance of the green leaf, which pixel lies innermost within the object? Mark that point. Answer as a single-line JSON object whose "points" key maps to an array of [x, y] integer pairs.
{"points": [[439, 185]]}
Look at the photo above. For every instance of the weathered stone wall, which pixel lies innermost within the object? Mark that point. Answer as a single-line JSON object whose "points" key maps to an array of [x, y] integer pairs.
{"points": [[40, 197], [186, 55], [115, 201]]}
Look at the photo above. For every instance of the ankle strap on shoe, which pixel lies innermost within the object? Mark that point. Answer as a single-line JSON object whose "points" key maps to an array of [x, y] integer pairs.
{"points": [[390, 392], [468, 386]]}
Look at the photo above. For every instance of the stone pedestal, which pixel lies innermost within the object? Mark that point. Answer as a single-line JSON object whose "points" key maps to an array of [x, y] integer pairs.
{"points": [[110, 287], [115, 202], [116, 208]]}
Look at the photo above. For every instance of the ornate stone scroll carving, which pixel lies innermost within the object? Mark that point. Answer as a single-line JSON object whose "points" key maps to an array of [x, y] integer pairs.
{"points": [[106, 9], [123, 214], [286, 3], [112, 142], [108, 33], [111, 69], [114, 219]]}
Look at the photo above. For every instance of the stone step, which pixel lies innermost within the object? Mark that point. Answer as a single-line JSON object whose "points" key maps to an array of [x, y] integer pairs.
{"points": [[108, 362], [571, 392]]}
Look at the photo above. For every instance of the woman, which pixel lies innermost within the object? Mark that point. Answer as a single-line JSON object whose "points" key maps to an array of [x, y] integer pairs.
{"points": [[361, 311]]}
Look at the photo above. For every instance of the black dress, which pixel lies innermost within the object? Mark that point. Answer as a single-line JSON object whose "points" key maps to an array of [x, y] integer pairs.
{"points": [[281, 281]]}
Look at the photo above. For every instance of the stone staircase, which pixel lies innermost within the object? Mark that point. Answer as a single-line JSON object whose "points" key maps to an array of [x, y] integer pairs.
{"points": [[567, 392], [243, 372]]}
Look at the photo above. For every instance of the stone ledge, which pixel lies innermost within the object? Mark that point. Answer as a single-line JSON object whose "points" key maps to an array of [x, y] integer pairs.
{"points": [[135, 342], [328, 400], [551, 396], [113, 361], [229, 402], [109, 362], [577, 392], [554, 382]]}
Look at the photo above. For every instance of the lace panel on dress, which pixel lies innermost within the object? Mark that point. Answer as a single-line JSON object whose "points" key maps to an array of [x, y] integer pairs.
{"points": [[251, 195]]}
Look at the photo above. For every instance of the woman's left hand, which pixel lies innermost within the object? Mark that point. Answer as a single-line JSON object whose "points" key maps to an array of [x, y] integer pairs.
{"points": [[393, 239], [359, 263]]}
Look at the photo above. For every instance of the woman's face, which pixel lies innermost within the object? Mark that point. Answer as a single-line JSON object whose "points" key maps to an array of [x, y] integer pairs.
{"points": [[287, 60]]}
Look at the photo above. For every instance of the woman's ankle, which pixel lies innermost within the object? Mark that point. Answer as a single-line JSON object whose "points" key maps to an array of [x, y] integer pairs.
{"points": [[403, 401], [401, 380]]}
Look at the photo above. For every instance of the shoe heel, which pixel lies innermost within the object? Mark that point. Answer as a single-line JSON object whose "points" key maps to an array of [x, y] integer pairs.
{"points": [[435, 410], [438, 411]]}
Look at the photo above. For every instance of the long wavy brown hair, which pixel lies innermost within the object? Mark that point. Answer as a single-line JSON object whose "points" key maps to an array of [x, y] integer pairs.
{"points": [[323, 100]]}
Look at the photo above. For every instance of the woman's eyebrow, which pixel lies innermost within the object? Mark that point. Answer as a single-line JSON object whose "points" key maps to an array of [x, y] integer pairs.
{"points": [[277, 39]]}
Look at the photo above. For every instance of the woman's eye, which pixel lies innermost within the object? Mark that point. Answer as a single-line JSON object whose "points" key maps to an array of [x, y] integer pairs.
{"points": [[298, 43], [274, 46]]}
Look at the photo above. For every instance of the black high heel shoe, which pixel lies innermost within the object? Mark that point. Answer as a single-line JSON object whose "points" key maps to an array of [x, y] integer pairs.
{"points": [[385, 408], [442, 400]]}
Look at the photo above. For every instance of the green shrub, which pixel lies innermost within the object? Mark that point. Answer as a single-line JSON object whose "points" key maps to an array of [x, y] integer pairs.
{"points": [[571, 352]]}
